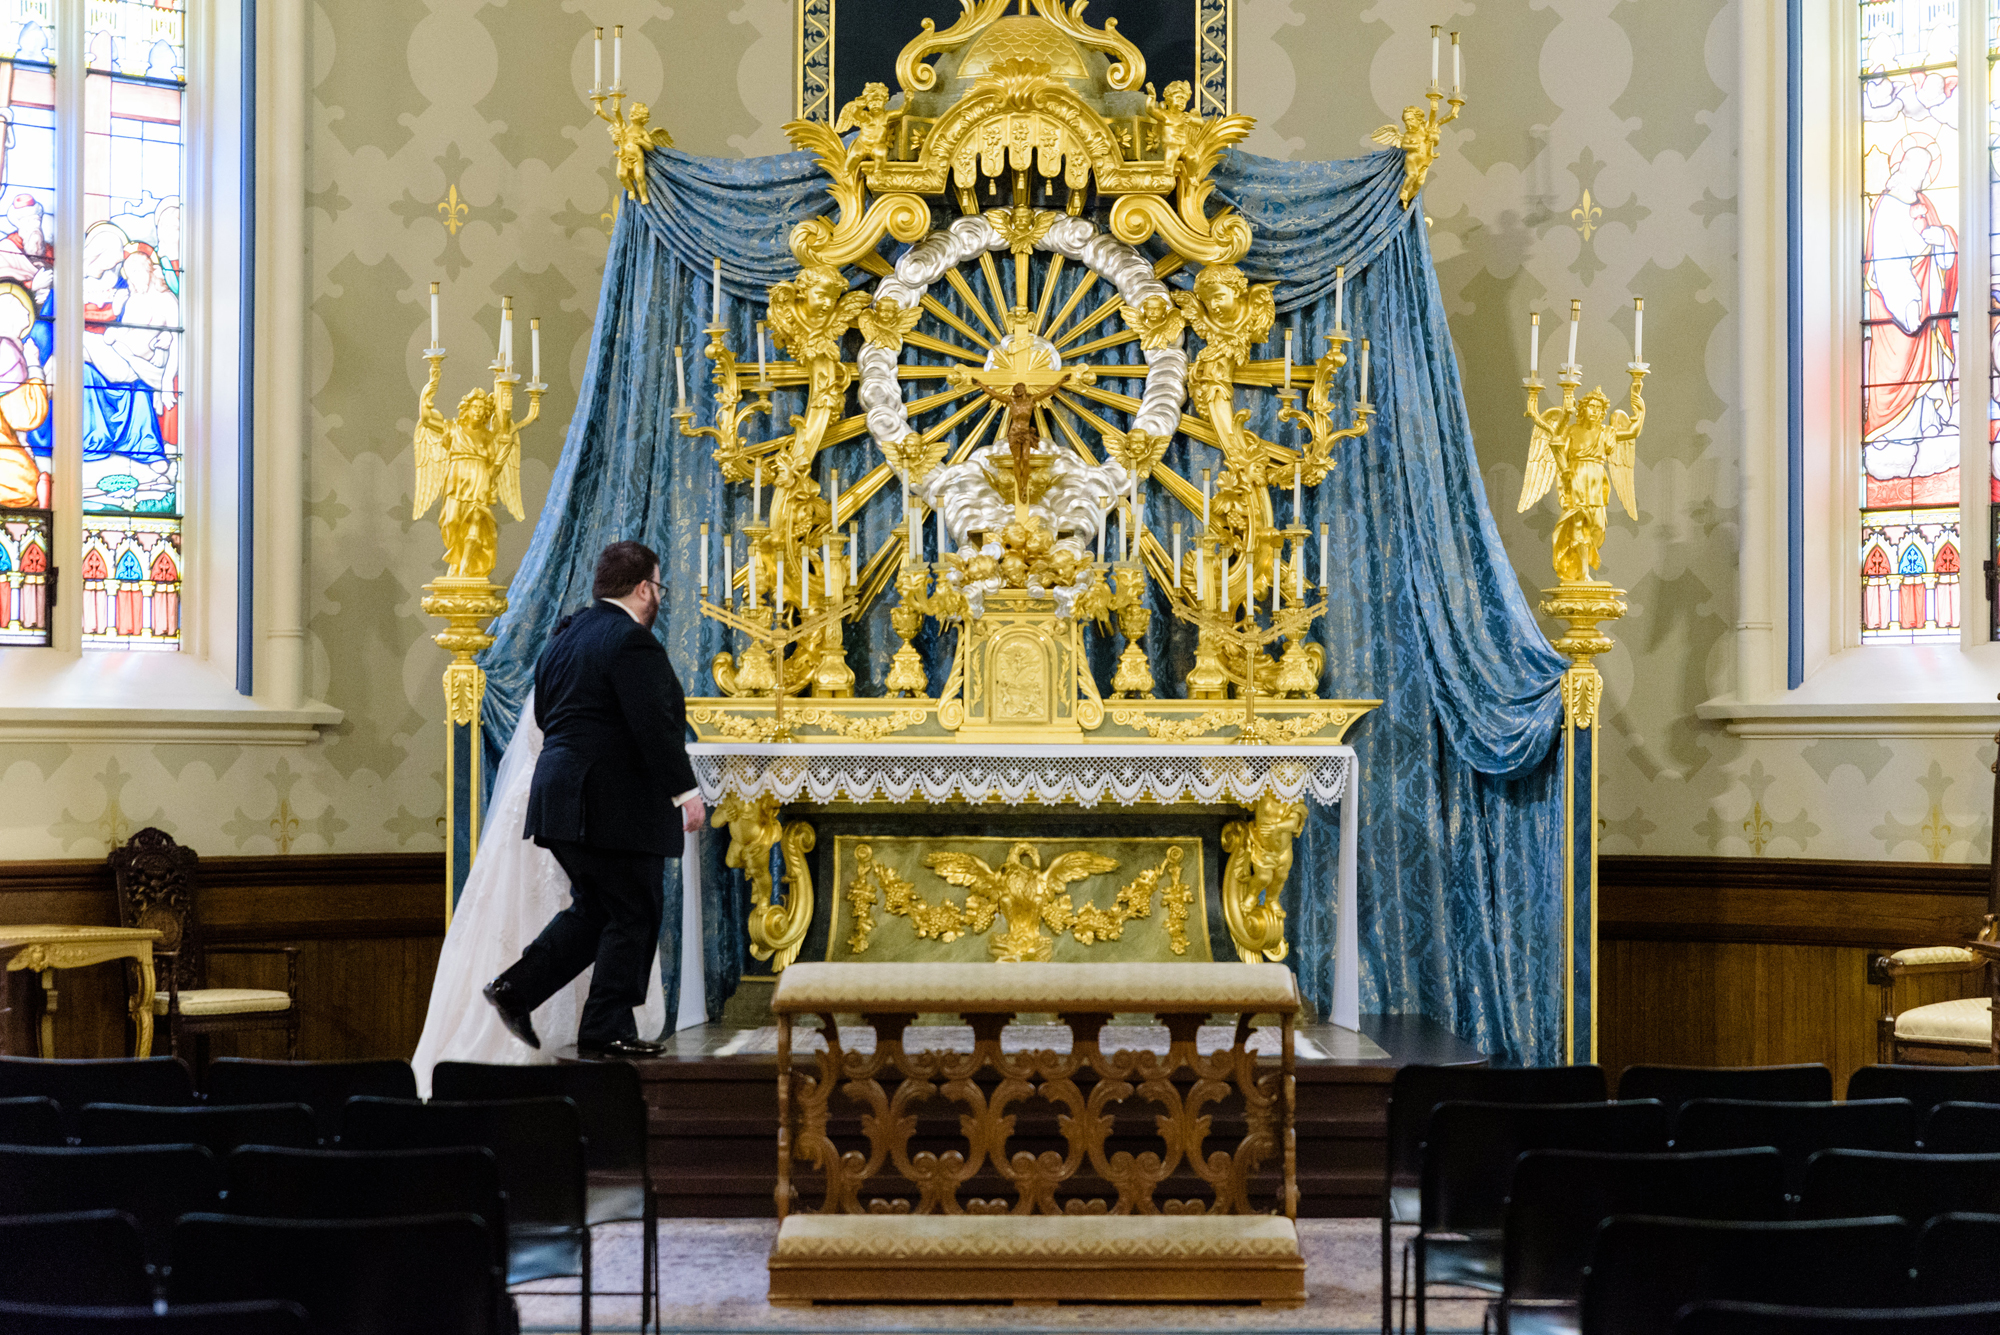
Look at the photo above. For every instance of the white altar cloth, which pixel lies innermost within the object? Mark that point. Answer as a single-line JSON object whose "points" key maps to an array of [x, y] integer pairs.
{"points": [[1127, 773]]}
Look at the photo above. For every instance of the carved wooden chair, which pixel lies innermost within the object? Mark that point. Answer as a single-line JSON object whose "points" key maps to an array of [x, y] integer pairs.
{"points": [[1959, 1032], [156, 888]]}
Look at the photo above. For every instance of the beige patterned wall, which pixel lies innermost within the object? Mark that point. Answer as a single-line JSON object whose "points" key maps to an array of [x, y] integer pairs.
{"points": [[1597, 158]]}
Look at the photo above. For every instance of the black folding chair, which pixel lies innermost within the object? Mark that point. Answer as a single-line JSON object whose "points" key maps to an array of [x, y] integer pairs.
{"points": [[1797, 1130], [537, 1146], [31, 1120], [1955, 1254], [1469, 1152], [200, 1319], [1677, 1086], [352, 1276], [1414, 1092], [94, 1255], [1724, 1318], [1956, 1127], [161, 1081], [325, 1087], [612, 1104], [1559, 1197], [220, 1129], [1644, 1270], [275, 1183], [154, 1184], [1926, 1086], [1846, 1184]]}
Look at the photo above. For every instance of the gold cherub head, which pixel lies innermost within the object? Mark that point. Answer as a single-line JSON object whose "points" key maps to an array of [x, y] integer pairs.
{"points": [[1594, 406], [1177, 95], [1221, 287]]}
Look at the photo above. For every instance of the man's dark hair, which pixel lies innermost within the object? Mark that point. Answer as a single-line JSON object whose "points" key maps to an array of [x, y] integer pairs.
{"points": [[621, 567]]}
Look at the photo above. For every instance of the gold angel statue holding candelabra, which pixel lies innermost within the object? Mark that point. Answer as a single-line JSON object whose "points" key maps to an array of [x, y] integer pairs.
{"points": [[1418, 135], [1586, 452], [471, 460]]}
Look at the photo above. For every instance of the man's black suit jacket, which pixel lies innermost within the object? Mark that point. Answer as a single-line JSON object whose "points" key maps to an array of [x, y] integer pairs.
{"points": [[614, 748]]}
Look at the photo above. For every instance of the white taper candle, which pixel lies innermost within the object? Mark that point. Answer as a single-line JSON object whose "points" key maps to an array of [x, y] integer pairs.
{"points": [[535, 349], [704, 560], [1339, 297], [715, 315], [1288, 361], [1206, 476], [618, 56], [1298, 493], [1103, 522], [854, 554], [944, 538], [1638, 329], [1457, 68], [1323, 580], [1534, 343], [1575, 314], [1299, 570], [434, 315], [680, 376], [1435, 28], [597, 61], [1177, 556], [763, 364], [1364, 371], [507, 333], [1277, 580], [728, 569], [833, 501]]}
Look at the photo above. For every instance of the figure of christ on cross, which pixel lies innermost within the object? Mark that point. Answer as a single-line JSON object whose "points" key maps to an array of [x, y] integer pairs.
{"points": [[1021, 377]]}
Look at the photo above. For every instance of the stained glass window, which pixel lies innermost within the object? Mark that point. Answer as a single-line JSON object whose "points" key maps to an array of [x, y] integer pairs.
{"points": [[132, 271], [27, 313], [1909, 342]]}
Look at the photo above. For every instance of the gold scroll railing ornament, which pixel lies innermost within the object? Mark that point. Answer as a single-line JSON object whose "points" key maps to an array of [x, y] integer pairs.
{"points": [[465, 464], [755, 828]]}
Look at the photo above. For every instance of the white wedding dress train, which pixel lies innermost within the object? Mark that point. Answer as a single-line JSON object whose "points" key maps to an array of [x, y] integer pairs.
{"points": [[514, 889]]}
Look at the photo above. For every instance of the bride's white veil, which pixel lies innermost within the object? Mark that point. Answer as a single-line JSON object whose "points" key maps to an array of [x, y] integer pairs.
{"points": [[514, 889]]}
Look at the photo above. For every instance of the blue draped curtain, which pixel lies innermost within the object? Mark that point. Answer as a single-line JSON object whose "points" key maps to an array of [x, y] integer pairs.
{"points": [[1460, 834]]}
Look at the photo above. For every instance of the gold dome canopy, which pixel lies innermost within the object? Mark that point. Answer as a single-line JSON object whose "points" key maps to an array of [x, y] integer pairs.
{"points": [[1019, 38]]}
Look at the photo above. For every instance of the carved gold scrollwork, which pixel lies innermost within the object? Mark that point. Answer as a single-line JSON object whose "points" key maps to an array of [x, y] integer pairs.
{"points": [[776, 930], [1260, 862]]}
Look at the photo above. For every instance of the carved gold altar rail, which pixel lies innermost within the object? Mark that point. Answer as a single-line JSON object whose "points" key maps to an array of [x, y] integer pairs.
{"points": [[1041, 1245]]}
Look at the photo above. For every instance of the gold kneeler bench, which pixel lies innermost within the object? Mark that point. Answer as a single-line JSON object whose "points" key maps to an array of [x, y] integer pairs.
{"points": [[906, 1236]]}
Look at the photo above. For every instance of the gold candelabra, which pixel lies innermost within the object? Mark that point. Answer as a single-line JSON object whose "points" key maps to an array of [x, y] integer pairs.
{"points": [[1586, 452], [1417, 136], [631, 134]]}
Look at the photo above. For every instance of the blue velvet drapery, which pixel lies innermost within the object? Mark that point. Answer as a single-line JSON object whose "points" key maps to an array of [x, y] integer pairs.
{"points": [[1460, 838]]}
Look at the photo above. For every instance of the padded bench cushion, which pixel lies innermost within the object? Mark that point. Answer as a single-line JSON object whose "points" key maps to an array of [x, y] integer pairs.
{"points": [[1036, 987], [1002, 1239], [1968, 1020], [1935, 955], [224, 1001]]}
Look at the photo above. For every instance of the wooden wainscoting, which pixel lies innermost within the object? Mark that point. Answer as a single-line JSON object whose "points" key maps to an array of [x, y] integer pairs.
{"points": [[1760, 961], [368, 927]]}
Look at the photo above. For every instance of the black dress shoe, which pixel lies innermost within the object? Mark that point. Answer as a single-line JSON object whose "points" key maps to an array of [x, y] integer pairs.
{"points": [[512, 1013], [620, 1049]]}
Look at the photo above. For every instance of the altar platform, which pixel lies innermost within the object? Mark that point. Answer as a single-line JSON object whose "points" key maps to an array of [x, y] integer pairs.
{"points": [[713, 1109]]}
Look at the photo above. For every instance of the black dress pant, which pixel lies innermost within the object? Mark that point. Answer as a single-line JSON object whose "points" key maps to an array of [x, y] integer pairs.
{"points": [[613, 921]]}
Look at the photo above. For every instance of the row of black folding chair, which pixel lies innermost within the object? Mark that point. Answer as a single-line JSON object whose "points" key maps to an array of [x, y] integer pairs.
{"points": [[1413, 1093], [351, 1276], [166, 1082], [619, 1181], [1644, 1270], [1738, 1318], [253, 1318]]}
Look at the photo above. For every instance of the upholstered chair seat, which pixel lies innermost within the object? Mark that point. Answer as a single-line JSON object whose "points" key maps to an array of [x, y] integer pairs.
{"points": [[224, 1001], [1968, 1021], [1957, 1032]]}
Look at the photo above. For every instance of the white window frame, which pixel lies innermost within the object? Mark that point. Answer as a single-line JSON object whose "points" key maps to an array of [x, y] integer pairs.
{"points": [[1849, 689], [62, 693]]}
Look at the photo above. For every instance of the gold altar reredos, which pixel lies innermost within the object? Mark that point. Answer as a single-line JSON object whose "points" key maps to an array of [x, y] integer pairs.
{"points": [[1015, 121]]}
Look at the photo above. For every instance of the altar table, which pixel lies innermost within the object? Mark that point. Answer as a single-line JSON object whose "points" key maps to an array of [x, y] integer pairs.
{"points": [[1041, 1247], [46, 947], [1261, 779]]}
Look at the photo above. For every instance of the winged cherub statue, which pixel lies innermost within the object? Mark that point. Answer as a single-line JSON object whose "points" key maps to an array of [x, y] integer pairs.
{"points": [[1231, 314], [1418, 138], [471, 460], [869, 114], [633, 137], [809, 314], [1587, 452]]}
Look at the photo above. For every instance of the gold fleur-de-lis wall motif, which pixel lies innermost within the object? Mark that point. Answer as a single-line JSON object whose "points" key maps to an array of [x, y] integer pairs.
{"points": [[1586, 216], [453, 210], [284, 825], [1757, 829]]}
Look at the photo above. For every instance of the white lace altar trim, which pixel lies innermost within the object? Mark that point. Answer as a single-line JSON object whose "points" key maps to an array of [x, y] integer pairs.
{"points": [[1068, 776]]}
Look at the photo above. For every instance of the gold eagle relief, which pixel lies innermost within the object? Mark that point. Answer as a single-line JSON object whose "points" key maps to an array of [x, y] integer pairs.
{"points": [[1032, 899]]}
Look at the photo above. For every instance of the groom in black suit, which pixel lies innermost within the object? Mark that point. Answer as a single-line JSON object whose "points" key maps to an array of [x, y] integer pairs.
{"points": [[612, 797]]}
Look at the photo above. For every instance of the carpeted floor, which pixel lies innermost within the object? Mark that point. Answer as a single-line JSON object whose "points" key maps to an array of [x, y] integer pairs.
{"points": [[713, 1280]]}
